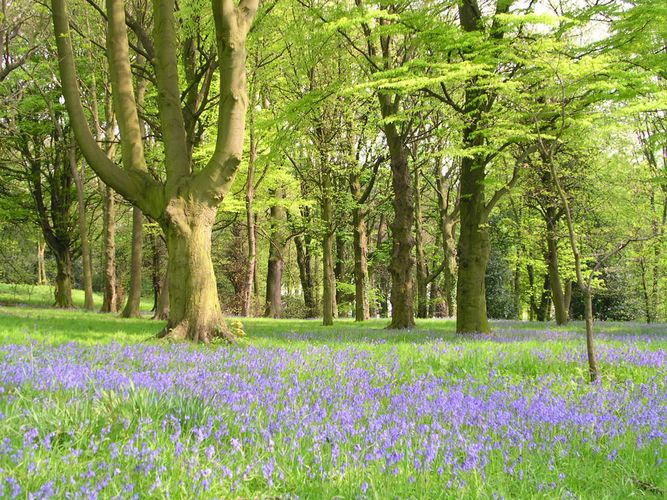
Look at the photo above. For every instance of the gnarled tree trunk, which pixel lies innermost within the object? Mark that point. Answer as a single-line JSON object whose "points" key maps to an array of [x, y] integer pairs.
{"points": [[63, 289], [194, 307]]}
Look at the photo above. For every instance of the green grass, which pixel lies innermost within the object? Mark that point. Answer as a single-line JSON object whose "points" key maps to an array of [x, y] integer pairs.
{"points": [[42, 296], [432, 349]]}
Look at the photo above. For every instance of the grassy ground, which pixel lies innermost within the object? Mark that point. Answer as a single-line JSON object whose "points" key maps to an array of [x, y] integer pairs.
{"points": [[353, 411]]}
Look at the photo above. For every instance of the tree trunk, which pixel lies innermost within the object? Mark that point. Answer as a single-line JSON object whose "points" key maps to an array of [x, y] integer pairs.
{"points": [[303, 259], [41, 265], [133, 305], [402, 262], [568, 297], [449, 272], [557, 294], [648, 310], [544, 311], [194, 312], [473, 250], [328, 275], [89, 302], [422, 270], [447, 229], [590, 348], [339, 269], [274, 277], [162, 305], [110, 301], [516, 290], [251, 260], [360, 242], [155, 270], [63, 290]]}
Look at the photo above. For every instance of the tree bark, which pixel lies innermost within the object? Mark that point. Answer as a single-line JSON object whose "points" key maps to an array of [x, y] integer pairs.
{"points": [[133, 305], [110, 285], [89, 302], [274, 277], [422, 270], [402, 262], [328, 275], [447, 229], [251, 260], [473, 248], [194, 307], [557, 293], [162, 305], [41, 265], [516, 290], [303, 259], [360, 243], [339, 269], [63, 289], [590, 347]]}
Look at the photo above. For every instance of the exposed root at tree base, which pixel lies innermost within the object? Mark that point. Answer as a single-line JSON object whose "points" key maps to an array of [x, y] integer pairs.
{"points": [[182, 332]]}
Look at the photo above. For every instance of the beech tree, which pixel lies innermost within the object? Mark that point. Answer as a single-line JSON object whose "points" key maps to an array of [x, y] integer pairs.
{"points": [[186, 202]]}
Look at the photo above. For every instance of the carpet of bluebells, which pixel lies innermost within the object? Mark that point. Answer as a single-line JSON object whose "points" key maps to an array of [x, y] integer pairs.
{"points": [[510, 415]]}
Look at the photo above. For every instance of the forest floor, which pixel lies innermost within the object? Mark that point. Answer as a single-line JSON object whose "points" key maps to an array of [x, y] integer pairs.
{"points": [[90, 407]]}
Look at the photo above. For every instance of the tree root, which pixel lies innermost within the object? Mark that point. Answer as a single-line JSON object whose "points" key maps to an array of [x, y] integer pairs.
{"points": [[182, 332]]}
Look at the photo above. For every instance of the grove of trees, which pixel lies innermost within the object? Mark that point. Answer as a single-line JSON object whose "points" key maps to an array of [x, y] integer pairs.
{"points": [[317, 158]]}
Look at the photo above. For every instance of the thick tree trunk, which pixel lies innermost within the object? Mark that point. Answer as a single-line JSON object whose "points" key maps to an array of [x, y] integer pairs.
{"points": [[557, 294], [402, 262], [133, 305], [473, 250], [89, 302], [274, 277], [110, 301], [63, 289], [194, 312]]}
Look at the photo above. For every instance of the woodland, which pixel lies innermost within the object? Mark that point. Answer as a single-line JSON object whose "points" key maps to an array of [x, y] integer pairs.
{"points": [[342, 247]]}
